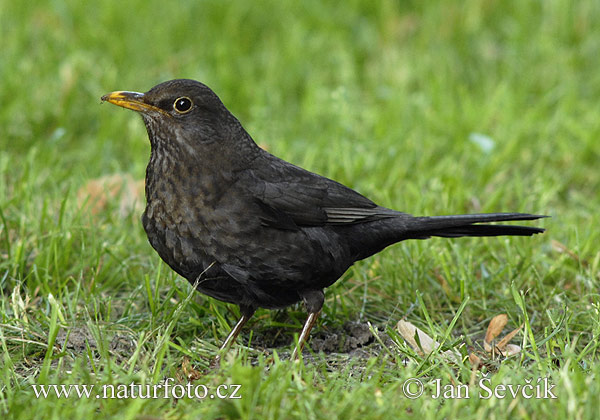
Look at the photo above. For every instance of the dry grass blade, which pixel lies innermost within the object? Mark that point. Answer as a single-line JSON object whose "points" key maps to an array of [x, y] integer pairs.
{"points": [[563, 249]]}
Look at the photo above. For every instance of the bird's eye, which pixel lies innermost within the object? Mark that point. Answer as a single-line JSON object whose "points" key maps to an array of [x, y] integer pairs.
{"points": [[183, 105]]}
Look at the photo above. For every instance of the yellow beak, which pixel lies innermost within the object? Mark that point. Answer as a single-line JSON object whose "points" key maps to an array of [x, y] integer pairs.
{"points": [[131, 100]]}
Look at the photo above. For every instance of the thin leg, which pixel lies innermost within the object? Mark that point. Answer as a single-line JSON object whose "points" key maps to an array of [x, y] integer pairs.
{"points": [[247, 313], [313, 300], [308, 325]]}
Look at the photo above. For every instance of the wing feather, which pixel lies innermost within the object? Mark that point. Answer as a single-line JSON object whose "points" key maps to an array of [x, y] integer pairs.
{"points": [[291, 197]]}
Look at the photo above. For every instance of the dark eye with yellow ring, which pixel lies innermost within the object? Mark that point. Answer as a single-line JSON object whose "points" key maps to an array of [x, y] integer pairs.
{"points": [[183, 105]]}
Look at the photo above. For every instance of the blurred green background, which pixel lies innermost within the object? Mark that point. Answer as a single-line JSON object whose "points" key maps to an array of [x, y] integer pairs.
{"points": [[434, 107], [390, 85]]}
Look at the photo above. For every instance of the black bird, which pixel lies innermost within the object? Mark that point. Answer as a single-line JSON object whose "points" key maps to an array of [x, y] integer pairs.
{"points": [[251, 229]]}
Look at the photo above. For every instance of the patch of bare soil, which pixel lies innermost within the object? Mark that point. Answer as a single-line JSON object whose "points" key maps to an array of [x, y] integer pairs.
{"points": [[352, 340], [79, 339], [352, 336]]}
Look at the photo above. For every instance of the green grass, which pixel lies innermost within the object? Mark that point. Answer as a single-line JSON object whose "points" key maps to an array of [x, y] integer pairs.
{"points": [[384, 97]]}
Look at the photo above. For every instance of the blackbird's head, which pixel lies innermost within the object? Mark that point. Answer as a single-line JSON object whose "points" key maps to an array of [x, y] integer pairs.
{"points": [[180, 111]]}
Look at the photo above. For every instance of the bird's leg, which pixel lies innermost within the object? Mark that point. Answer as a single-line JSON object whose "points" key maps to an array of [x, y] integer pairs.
{"points": [[310, 322], [313, 300], [247, 312], [235, 331]]}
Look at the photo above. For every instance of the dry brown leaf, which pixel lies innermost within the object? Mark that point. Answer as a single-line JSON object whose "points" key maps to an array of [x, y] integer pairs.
{"points": [[427, 344], [503, 343], [511, 349], [408, 332], [97, 193], [190, 373], [495, 327], [474, 360]]}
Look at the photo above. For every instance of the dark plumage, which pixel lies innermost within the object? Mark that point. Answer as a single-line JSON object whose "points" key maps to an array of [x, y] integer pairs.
{"points": [[252, 229]]}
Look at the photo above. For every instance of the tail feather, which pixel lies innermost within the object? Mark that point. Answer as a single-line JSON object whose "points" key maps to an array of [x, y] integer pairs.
{"points": [[468, 225]]}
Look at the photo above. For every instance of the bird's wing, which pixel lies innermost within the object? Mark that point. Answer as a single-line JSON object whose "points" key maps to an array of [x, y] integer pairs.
{"points": [[291, 197]]}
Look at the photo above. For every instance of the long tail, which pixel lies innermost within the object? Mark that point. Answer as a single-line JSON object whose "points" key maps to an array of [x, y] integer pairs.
{"points": [[467, 225]]}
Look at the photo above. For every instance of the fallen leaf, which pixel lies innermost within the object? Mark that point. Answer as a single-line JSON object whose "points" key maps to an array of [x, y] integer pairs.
{"points": [[474, 360], [495, 327], [421, 342], [190, 373], [408, 331], [97, 193], [503, 343], [511, 350]]}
